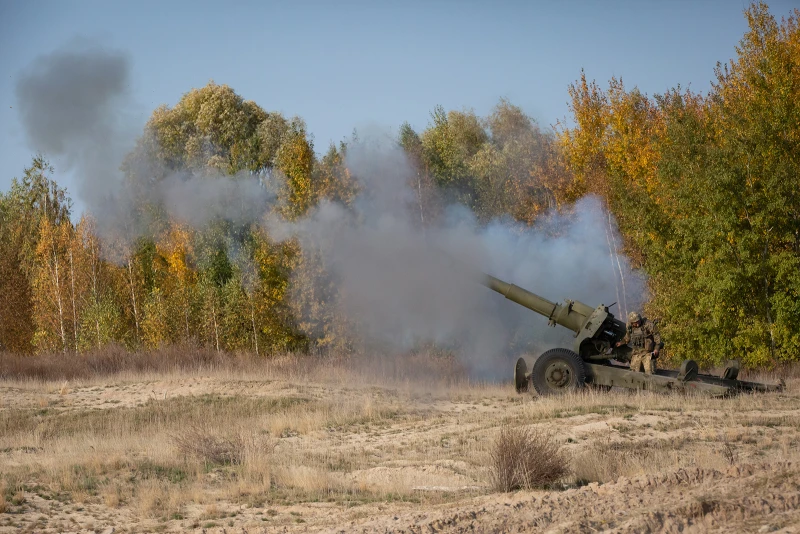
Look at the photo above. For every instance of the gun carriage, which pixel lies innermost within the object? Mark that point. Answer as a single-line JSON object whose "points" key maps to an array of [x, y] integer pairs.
{"points": [[593, 356]]}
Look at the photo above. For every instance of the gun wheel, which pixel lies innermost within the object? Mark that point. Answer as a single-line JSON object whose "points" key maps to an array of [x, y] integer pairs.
{"points": [[558, 371]]}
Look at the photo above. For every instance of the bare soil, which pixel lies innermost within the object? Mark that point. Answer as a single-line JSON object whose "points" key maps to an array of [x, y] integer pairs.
{"points": [[336, 450]]}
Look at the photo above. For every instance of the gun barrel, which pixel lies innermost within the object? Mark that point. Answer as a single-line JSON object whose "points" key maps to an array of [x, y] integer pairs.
{"points": [[572, 315], [521, 296]]}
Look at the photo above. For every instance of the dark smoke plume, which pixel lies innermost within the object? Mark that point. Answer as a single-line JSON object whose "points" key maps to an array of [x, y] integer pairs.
{"points": [[74, 106]]}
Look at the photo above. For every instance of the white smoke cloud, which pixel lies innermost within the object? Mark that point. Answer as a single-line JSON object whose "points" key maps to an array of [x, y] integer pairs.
{"points": [[399, 286], [402, 287]]}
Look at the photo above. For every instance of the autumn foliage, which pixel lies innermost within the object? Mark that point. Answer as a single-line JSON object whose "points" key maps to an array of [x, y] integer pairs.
{"points": [[704, 187]]}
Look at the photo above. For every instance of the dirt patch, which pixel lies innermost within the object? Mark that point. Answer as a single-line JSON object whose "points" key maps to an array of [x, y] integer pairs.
{"points": [[349, 453]]}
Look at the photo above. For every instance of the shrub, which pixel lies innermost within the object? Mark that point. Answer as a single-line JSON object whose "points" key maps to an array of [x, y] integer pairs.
{"points": [[210, 447], [525, 459]]}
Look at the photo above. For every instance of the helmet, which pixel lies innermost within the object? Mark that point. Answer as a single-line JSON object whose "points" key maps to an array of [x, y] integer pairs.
{"points": [[634, 317]]}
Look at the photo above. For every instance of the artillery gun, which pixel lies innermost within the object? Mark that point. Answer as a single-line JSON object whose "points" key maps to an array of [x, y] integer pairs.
{"points": [[592, 357]]}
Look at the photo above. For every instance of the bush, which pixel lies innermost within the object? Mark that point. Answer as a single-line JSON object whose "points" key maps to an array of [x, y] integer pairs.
{"points": [[525, 459], [209, 447], [231, 448]]}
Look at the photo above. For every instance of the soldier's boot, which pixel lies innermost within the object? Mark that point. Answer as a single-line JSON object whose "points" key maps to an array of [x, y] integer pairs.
{"points": [[636, 362]]}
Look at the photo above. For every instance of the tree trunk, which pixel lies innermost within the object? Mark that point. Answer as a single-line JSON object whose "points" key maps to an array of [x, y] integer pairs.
{"points": [[186, 312], [767, 306], [216, 329], [253, 320], [94, 289], [57, 287], [419, 201], [74, 311], [133, 298]]}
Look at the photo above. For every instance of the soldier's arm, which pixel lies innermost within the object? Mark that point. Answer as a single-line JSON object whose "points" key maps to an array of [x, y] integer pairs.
{"points": [[656, 335], [624, 340]]}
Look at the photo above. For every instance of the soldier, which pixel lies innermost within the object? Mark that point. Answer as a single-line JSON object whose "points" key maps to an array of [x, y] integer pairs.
{"points": [[643, 337]]}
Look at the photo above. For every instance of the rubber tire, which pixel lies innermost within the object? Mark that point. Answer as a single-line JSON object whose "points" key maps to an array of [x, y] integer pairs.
{"points": [[572, 361]]}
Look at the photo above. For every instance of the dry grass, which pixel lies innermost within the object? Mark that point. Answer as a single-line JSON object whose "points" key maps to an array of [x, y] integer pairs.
{"points": [[421, 369], [607, 461], [110, 361], [210, 447], [524, 458], [335, 440]]}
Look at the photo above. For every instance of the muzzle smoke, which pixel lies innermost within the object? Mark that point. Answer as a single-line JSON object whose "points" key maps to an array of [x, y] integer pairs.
{"points": [[402, 286], [398, 286]]}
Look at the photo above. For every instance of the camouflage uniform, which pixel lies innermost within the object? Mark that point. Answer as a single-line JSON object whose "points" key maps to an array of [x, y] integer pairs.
{"points": [[643, 339]]}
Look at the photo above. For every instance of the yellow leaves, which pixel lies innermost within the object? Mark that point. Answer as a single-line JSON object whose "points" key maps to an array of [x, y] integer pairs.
{"points": [[175, 247], [617, 133], [51, 289], [583, 145], [763, 78], [333, 180], [295, 159]]}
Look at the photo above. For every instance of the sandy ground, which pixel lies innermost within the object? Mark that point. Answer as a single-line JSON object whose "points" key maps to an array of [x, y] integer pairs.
{"points": [[348, 454]]}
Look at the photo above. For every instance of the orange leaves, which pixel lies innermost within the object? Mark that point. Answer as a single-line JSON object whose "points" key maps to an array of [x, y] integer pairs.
{"points": [[584, 145], [50, 284], [617, 139]]}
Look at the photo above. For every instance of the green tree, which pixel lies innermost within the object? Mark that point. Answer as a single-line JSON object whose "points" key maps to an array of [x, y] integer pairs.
{"points": [[448, 145], [210, 127], [740, 216], [332, 179], [31, 200], [99, 290], [705, 191]]}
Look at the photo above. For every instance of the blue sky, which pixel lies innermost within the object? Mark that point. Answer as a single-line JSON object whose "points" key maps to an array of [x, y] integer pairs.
{"points": [[347, 64]]}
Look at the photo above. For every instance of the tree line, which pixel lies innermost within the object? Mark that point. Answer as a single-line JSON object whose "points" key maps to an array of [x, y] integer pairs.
{"points": [[705, 189]]}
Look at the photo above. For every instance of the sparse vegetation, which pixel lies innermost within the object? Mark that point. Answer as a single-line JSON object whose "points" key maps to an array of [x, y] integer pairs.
{"points": [[220, 448], [525, 458], [352, 441]]}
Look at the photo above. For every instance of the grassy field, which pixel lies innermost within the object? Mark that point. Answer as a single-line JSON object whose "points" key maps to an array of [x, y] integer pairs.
{"points": [[174, 442]]}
